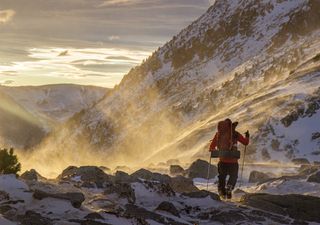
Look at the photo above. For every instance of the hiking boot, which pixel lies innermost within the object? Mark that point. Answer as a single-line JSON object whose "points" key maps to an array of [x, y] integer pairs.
{"points": [[222, 193], [229, 192]]}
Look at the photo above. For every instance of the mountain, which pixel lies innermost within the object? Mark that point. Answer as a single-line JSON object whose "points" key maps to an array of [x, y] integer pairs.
{"points": [[18, 127], [30, 113], [252, 61]]}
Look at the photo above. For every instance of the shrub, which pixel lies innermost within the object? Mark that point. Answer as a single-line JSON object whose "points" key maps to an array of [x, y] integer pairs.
{"points": [[9, 162]]}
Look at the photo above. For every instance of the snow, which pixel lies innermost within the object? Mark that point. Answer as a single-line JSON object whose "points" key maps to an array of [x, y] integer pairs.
{"points": [[16, 189], [3, 221]]}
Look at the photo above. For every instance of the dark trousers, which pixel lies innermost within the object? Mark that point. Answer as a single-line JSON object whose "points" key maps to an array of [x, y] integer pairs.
{"points": [[225, 169]]}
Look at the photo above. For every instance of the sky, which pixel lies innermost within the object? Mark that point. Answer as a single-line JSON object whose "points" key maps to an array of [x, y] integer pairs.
{"points": [[88, 42]]}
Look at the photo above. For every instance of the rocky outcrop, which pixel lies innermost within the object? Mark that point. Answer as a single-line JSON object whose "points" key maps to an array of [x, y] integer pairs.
{"points": [[142, 214], [88, 176], [199, 169], [122, 177], [148, 175], [314, 177], [123, 190], [300, 161], [300, 207], [32, 175], [34, 218], [75, 198], [182, 184], [176, 170], [256, 176], [169, 208], [202, 194]]}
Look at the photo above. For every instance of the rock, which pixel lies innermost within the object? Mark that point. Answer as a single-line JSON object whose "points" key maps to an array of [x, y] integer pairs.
{"points": [[300, 207], [306, 170], [4, 196], [33, 218], [90, 176], [123, 190], [122, 177], [199, 169], [202, 194], [75, 198], [142, 214], [300, 161], [316, 163], [176, 170], [94, 216], [314, 177], [32, 175], [182, 184], [148, 175], [168, 207], [256, 176]]}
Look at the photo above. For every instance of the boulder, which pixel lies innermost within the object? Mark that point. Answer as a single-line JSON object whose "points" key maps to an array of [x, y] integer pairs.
{"points": [[123, 190], [176, 170], [182, 184], [75, 198], [199, 169], [148, 175], [122, 177], [202, 194], [300, 161], [299, 207], [306, 170], [256, 176], [90, 176], [32, 175], [33, 218], [168, 207], [314, 177], [142, 214]]}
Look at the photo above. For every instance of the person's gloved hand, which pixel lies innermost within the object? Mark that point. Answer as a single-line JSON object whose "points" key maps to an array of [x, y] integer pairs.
{"points": [[247, 134]]}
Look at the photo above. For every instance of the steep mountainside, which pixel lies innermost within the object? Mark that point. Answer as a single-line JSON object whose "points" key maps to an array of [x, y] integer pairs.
{"points": [[252, 61]]}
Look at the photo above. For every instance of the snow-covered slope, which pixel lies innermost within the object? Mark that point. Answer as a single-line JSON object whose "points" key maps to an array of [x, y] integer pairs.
{"points": [[247, 60]]}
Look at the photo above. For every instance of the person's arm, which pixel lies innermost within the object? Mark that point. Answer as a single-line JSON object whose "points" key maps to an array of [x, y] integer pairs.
{"points": [[243, 140], [213, 144]]}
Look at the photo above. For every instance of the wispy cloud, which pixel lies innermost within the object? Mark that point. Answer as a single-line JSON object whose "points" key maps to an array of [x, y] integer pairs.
{"points": [[77, 63], [6, 15], [114, 37]]}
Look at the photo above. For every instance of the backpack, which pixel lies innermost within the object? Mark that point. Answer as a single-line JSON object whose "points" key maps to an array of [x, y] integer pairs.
{"points": [[225, 135]]}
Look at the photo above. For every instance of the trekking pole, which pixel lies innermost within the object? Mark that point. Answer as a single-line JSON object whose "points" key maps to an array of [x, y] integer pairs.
{"points": [[244, 156], [209, 167]]}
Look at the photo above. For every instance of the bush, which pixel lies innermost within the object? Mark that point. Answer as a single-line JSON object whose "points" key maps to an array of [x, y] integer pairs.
{"points": [[9, 162]]}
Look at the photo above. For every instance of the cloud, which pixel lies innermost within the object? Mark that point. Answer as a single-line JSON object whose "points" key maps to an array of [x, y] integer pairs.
{"points": [[6, 15], [113, 38], [6, 82]]}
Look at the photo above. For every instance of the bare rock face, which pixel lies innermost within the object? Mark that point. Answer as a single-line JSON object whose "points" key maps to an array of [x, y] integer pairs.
{"points": [[300, 207], [199, 169], [34, 218], [256, 176], [75, 198]]}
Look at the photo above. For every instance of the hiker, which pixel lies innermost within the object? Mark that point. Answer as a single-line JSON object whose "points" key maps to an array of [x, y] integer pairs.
{"points": [[226, 139]]}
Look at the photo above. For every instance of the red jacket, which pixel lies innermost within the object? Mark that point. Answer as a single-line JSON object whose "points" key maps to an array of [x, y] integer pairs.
{"points": [[240, 138]]}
